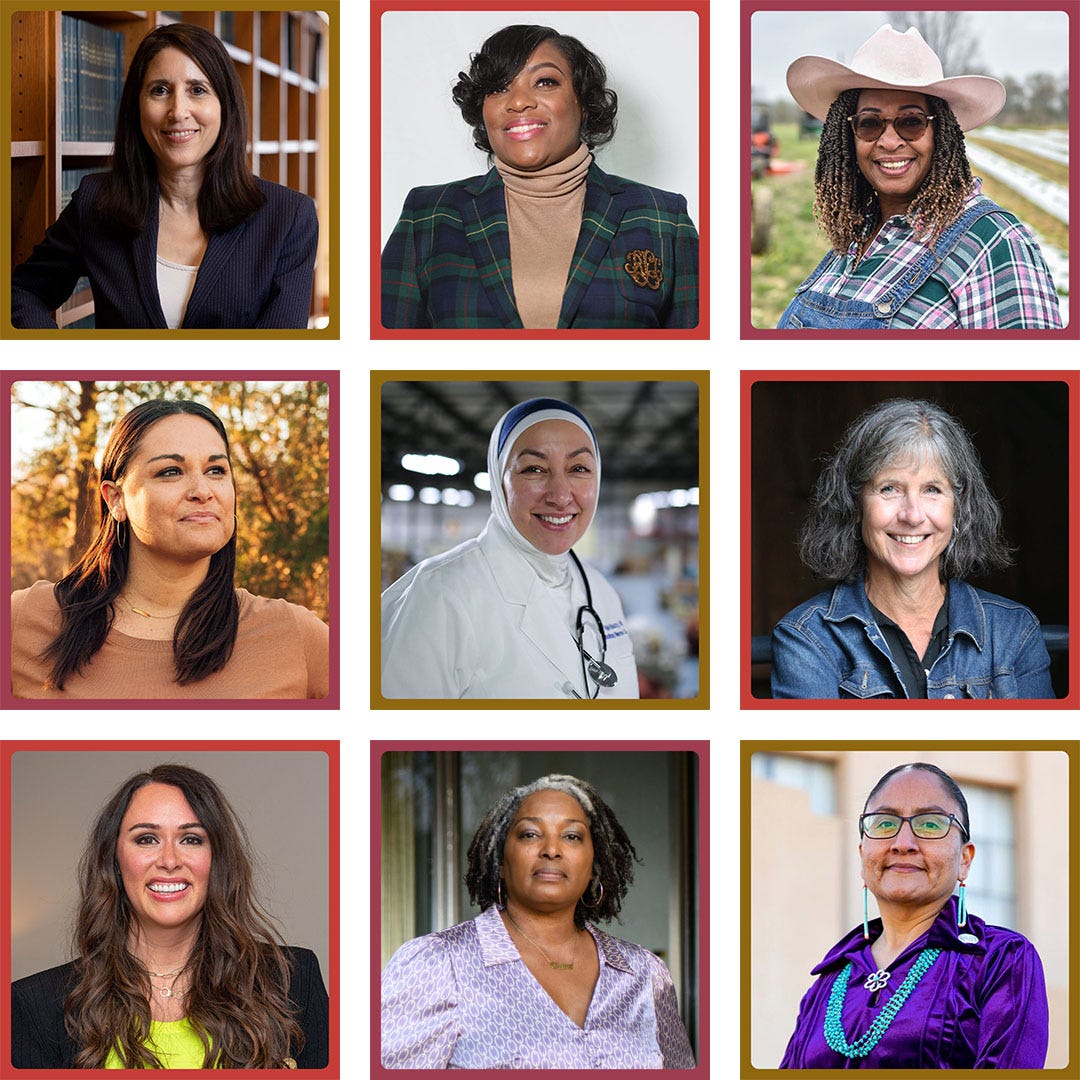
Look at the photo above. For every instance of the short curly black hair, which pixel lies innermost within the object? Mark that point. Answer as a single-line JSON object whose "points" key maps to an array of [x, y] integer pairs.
{"points": [[613, 854], [504, 54]]}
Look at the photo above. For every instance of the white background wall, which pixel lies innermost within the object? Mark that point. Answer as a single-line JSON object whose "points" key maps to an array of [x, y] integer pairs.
{"points": [[651, 61]]}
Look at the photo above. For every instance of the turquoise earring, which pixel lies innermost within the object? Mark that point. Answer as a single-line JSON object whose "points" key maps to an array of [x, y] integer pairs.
{"points": [[865, 915], [961, 907]]}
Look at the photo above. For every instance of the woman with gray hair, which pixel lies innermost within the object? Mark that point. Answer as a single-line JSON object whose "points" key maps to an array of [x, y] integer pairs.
{"points": [[530, 983], [900, 516]]}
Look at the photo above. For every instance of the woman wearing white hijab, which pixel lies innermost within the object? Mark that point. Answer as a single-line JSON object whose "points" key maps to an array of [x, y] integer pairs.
{"points": [[512, 613]]}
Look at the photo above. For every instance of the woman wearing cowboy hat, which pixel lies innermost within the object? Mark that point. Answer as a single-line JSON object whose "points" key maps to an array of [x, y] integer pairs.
{"points": [[915, 243]]}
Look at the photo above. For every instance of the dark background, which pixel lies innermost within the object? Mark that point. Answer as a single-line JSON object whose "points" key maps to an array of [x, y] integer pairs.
{"points": [[1020, 430]]}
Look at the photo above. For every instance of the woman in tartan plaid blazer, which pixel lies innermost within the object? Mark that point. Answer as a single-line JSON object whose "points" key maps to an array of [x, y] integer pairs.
{"points": [[537, 103]]}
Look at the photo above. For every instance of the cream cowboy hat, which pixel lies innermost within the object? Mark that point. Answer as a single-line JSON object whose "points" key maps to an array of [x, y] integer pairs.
{"points": [[893, 61]]}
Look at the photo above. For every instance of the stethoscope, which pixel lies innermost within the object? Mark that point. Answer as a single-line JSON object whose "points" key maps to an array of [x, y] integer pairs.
{"points": [[591, 668]]}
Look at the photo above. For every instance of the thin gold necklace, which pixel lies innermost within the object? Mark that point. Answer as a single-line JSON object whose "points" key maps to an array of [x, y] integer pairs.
{"points": [[555, 966], [146, 614]]}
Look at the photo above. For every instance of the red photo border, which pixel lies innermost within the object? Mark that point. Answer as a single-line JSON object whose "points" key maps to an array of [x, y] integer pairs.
{"points": [[747, 330], [333, 382], [747, 381], [700, 748], [333, 978], [698, 7]]}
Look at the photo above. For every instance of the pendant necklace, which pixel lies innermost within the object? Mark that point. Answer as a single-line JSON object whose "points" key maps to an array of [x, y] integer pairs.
{"points": [[554, 964], [146, 614], [860, 1047]]}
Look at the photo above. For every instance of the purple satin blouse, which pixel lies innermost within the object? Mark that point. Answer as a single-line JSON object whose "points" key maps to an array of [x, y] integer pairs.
{"points": [[981, 1005], [463, 999]]}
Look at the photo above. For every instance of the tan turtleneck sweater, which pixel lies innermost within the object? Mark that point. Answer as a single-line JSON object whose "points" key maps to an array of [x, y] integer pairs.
{"points": [[543, 214]]}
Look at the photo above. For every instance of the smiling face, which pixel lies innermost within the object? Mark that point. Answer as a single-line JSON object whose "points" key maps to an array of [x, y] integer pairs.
{"points": [[536, 120], [177, 495], [904, 869], [164, 857], [907, 519], [895, 169], [550, 485], [548, 855], [179, 113]]}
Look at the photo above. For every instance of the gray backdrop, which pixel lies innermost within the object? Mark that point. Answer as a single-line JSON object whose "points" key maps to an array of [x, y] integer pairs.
{"points": [[280, 796]]}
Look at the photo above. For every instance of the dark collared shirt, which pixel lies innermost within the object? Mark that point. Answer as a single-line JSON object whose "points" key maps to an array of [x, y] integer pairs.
{"points": [[913, 672]]}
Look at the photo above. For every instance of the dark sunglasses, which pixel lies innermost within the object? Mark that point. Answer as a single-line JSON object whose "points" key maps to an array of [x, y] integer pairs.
{"points": [[869, 127]]}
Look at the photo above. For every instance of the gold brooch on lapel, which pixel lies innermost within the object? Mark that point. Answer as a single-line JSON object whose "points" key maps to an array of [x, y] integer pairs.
{"points": [[644, 269]]}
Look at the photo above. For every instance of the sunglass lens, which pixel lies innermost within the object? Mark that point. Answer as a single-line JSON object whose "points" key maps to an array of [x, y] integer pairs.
{"points": [[868, 128], [910, 127]]}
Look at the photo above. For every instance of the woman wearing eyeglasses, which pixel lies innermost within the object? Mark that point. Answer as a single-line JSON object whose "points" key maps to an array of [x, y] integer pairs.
{"points": [[928, 985], [514, 613], [531, 983], [900, 516], [915, 243]]}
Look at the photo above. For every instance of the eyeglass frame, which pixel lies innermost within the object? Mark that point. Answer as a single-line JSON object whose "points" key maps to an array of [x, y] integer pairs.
{"points": [[953, 820], [886, 121]]}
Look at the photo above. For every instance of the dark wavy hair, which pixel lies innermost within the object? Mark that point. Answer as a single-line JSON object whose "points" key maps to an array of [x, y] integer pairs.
{"points": [[238, 1003], [613, 854], [229, 193], [950, 785], [898, 431], [206, 630], [503, 55], [843, 196]]}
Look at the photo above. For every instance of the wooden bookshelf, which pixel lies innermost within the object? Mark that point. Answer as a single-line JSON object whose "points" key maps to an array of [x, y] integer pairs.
{"points": [[281, 58]]}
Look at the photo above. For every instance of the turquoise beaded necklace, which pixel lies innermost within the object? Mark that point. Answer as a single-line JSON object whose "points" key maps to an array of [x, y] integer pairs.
{"points": [[834, 1030]]}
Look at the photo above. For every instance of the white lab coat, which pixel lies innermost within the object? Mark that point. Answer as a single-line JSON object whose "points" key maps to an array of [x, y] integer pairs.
{"points": [[477, 622]]}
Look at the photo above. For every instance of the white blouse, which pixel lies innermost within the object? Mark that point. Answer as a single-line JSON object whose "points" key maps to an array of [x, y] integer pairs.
{"points": [[174, 283]]}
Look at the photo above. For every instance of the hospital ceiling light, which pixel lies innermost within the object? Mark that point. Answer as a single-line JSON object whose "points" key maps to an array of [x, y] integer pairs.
{"points": [[431, 464], [430, 496], [400, 493]]}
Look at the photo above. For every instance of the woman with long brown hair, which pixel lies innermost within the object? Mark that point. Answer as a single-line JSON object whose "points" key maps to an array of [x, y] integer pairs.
{"points": [[180, 233], [178, 965], [151, 609]]}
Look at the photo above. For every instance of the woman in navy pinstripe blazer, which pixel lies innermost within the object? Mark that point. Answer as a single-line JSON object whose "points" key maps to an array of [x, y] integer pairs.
{"points": [[179, 234], [546, 240]]}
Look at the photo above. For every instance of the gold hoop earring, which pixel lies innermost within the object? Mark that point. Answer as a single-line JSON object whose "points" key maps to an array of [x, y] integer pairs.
{"points": [[596, 902], [499, 896]]}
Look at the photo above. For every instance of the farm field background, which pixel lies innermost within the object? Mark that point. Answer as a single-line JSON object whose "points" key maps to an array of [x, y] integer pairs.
{"points": [[1024, 170]]}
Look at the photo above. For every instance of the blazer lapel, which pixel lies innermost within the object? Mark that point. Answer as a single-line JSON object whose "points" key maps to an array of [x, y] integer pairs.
{"points": [[144, 251], [600, 220], [219, 252], [488, 235]]}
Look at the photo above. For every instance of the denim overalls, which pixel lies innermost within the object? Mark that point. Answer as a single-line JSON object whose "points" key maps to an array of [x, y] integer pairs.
{"points": [[816, 311]]}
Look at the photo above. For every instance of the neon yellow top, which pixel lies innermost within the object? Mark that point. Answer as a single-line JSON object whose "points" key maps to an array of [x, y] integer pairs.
{"points": [[175, 1043]]}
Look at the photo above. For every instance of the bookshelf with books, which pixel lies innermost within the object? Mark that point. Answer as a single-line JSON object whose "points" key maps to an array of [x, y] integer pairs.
{"points": [[67, 71]]}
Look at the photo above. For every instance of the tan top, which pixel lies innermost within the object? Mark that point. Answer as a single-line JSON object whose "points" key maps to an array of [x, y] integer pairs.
{"points": [[543, 217], [282, 651]]}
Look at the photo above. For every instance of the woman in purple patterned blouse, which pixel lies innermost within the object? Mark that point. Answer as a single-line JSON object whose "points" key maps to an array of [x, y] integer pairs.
{"points": [[926, 986], [529, 983]]}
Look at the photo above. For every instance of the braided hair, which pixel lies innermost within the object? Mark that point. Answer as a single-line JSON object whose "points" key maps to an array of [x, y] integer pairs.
{"points": [[843, 195], [613, 854]]}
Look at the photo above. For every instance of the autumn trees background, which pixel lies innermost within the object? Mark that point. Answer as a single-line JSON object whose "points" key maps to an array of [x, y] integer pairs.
{"points": [[279, 439]]}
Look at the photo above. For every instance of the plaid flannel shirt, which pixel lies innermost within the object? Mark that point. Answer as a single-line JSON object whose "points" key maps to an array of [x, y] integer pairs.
{"points": [[995, 277], [447, 262]]}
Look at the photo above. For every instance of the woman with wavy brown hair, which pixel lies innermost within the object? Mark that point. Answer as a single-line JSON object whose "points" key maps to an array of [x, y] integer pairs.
{"points": [[178, 965]]}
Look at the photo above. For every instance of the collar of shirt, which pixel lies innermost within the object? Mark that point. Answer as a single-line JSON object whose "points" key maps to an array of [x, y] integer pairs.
{"points": [[943, 934], [497, 947], [897, 229], [966, 616]]}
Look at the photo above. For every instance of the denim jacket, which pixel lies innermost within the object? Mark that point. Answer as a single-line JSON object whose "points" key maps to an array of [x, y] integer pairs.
{"points": [[831, 647]]}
